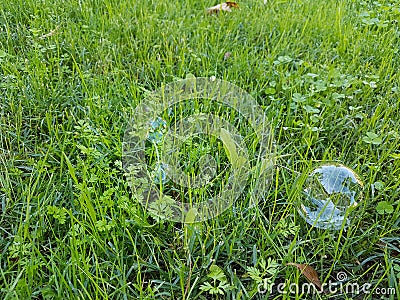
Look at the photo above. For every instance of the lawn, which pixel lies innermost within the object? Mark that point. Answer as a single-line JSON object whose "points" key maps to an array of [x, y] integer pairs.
{"points": [[72, 74]]}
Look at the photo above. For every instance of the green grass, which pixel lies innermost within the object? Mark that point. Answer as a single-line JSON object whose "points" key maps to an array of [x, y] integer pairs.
{"points": [[326, 72]]}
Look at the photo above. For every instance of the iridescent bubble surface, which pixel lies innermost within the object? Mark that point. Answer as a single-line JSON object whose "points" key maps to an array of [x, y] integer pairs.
{"points": [[157, 129], [330, 194], [159, 174]]}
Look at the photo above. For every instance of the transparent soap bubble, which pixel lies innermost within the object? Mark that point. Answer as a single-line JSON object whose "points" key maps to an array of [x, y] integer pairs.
{"points": [[169, 121], [330, 193], [158, 127], [159, 173]]}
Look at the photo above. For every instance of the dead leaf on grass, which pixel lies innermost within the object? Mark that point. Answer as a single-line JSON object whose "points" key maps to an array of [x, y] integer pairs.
{"points": [[309, 273], [54, 31], [226, 6]]}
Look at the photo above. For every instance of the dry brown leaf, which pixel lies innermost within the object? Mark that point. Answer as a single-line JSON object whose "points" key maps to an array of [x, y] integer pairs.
{"points": [[54, 31], [309, 273], [226, 6], [227, 55]]}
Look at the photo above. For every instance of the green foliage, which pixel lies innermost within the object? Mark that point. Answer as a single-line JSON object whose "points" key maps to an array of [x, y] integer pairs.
{"points": [[372, 138], [286, 228], [219, 284], [60, 214], [384, 207], [72, 220], [264, 272]]}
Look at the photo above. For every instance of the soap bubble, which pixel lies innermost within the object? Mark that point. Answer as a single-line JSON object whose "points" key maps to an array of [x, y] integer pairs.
{"points": [[158, 127], [159, 174], [330, 193], [153, 150]]}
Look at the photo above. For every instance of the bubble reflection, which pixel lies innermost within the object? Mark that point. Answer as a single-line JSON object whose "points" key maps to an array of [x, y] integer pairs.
{"points": [[330, 193]]}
